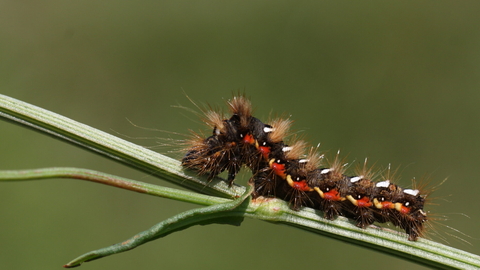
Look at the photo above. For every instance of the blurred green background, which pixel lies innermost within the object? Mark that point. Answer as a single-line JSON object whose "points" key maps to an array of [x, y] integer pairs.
{"points": [[397, 82]]}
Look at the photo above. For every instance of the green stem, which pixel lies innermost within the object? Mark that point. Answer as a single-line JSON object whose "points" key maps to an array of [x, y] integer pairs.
{"points": [[111, 180], [204, 215]]}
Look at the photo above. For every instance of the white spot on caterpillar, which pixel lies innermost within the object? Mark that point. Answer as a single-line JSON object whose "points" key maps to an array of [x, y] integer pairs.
{"points": [[356, 178], [325, 171], [384, 184], [413, 192], [286, 148], [268, 130]]}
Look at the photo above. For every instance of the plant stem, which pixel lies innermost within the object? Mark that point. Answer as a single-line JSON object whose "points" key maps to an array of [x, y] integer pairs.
{"points": [[111, 180]]}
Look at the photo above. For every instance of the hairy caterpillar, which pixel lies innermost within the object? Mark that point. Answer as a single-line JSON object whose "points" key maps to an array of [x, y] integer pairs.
{"points": [[297, 174]]}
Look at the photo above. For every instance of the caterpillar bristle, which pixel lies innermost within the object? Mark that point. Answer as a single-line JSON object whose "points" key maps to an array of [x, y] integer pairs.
{"points": [[214, 120], [241, 106], [313, 159], [279, 129], [297, 174], [295, 151]]}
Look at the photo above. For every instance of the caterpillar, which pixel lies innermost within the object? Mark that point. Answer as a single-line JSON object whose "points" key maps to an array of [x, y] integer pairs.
{"points": [[296, 173]]}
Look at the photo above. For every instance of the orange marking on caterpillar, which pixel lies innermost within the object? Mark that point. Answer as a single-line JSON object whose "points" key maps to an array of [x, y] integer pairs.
{"points": [[278, 169], [384, 204], [364, 202], [265, 151], [402, 208], [302, 185], [248, 139], [333, 195], [299, 185]]}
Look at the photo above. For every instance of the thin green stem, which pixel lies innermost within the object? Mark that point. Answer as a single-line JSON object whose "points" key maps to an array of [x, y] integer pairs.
{"points": [[203, 215], [111, 180]]}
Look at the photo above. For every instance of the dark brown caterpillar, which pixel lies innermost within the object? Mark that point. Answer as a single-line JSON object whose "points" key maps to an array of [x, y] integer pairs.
{"points": [[285, 171]]}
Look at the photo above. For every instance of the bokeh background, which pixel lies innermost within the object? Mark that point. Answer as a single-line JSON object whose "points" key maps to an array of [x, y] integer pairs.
{"points": [[397, 82]]}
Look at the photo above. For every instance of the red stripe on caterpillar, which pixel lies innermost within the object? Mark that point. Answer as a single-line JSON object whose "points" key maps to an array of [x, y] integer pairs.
{"points": [[287, 172]]}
